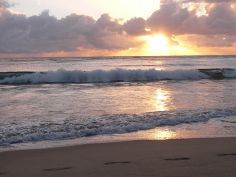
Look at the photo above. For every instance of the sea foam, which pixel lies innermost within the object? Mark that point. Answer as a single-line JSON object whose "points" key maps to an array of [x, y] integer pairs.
{"points": [[22, 131]]}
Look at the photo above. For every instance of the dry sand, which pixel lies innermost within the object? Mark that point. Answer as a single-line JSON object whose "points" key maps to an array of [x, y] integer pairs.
{"points": [[171, 158]]}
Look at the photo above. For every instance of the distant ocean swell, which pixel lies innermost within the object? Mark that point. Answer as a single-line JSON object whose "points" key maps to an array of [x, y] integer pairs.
{"points": [[23, 131], [116, 75]]}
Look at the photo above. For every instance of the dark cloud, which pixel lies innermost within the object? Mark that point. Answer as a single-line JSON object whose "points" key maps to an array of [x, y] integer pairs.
{"points": [[45, 33], [169, 18], [135, 26], [172, 17]]}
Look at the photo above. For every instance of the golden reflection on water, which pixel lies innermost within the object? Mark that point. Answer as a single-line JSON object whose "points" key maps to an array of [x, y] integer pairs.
{"points": [[163, 134], [162, 100]]}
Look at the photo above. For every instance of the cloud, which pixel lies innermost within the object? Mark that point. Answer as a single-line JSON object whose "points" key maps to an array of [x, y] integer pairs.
{"points": [[178, 20], [4, 4], [45, 33], [135, 26], [172, 17], [169, 18], [209, 40], [208, 1]]}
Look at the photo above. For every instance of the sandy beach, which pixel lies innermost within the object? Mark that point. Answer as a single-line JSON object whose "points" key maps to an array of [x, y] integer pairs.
{"points": [[98, 88], [171, 158]]}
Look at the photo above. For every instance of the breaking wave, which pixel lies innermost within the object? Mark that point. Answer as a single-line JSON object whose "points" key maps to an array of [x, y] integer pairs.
{"points": [[116, 75], [23, 131]]}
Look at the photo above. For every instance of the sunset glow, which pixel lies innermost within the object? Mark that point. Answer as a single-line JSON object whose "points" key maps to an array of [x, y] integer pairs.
{"points": [[92, 28], [99, 79]]}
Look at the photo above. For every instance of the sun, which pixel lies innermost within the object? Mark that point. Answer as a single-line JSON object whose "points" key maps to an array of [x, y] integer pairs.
{"points": [[157, 44], [160, 44]]}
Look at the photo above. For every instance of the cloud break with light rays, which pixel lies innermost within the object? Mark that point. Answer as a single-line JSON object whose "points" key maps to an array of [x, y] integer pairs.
{"points": [[175, 28]]}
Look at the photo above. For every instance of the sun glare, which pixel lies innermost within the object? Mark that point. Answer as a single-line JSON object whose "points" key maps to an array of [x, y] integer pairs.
{"points": [[158, 44], [161, 45], [162, 100], [163, 134]]}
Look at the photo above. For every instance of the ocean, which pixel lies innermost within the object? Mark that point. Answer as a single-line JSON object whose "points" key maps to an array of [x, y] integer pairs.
{"points": [[47, 102]]}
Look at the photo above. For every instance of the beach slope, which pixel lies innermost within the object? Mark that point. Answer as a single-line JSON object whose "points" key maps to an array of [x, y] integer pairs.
{"points": [[171, 158]]}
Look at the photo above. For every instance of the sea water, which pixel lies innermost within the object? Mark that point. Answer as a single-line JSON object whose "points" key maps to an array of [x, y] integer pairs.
{"points": [[47, 101]]}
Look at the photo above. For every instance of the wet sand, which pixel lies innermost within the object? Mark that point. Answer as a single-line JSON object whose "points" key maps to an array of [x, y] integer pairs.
{"points": [[171, 158]]}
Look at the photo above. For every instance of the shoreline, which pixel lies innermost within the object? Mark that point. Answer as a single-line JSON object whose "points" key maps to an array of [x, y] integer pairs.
{"points": [[176, 157], [211, 129]]}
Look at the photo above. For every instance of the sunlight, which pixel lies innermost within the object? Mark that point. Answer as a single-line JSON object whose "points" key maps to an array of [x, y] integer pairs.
{"points": [[162, 45], [164, 134], [158, 44], [162, 100]]}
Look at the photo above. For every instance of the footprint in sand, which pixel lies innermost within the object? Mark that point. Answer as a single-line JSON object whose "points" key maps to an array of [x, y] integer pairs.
{"points": [[112, 163], [222, 155], [57, 169], [177, 159]]}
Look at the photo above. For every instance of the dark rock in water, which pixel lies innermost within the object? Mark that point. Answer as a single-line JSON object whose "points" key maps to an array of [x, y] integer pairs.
{"points": [[216, 73]]}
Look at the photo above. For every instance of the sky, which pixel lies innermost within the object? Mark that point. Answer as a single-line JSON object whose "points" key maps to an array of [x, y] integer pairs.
{"points": [[118, 27], [94, 8]]}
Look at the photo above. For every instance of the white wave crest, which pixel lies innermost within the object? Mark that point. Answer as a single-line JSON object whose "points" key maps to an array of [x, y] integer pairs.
{"points": [[103, 76]]}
